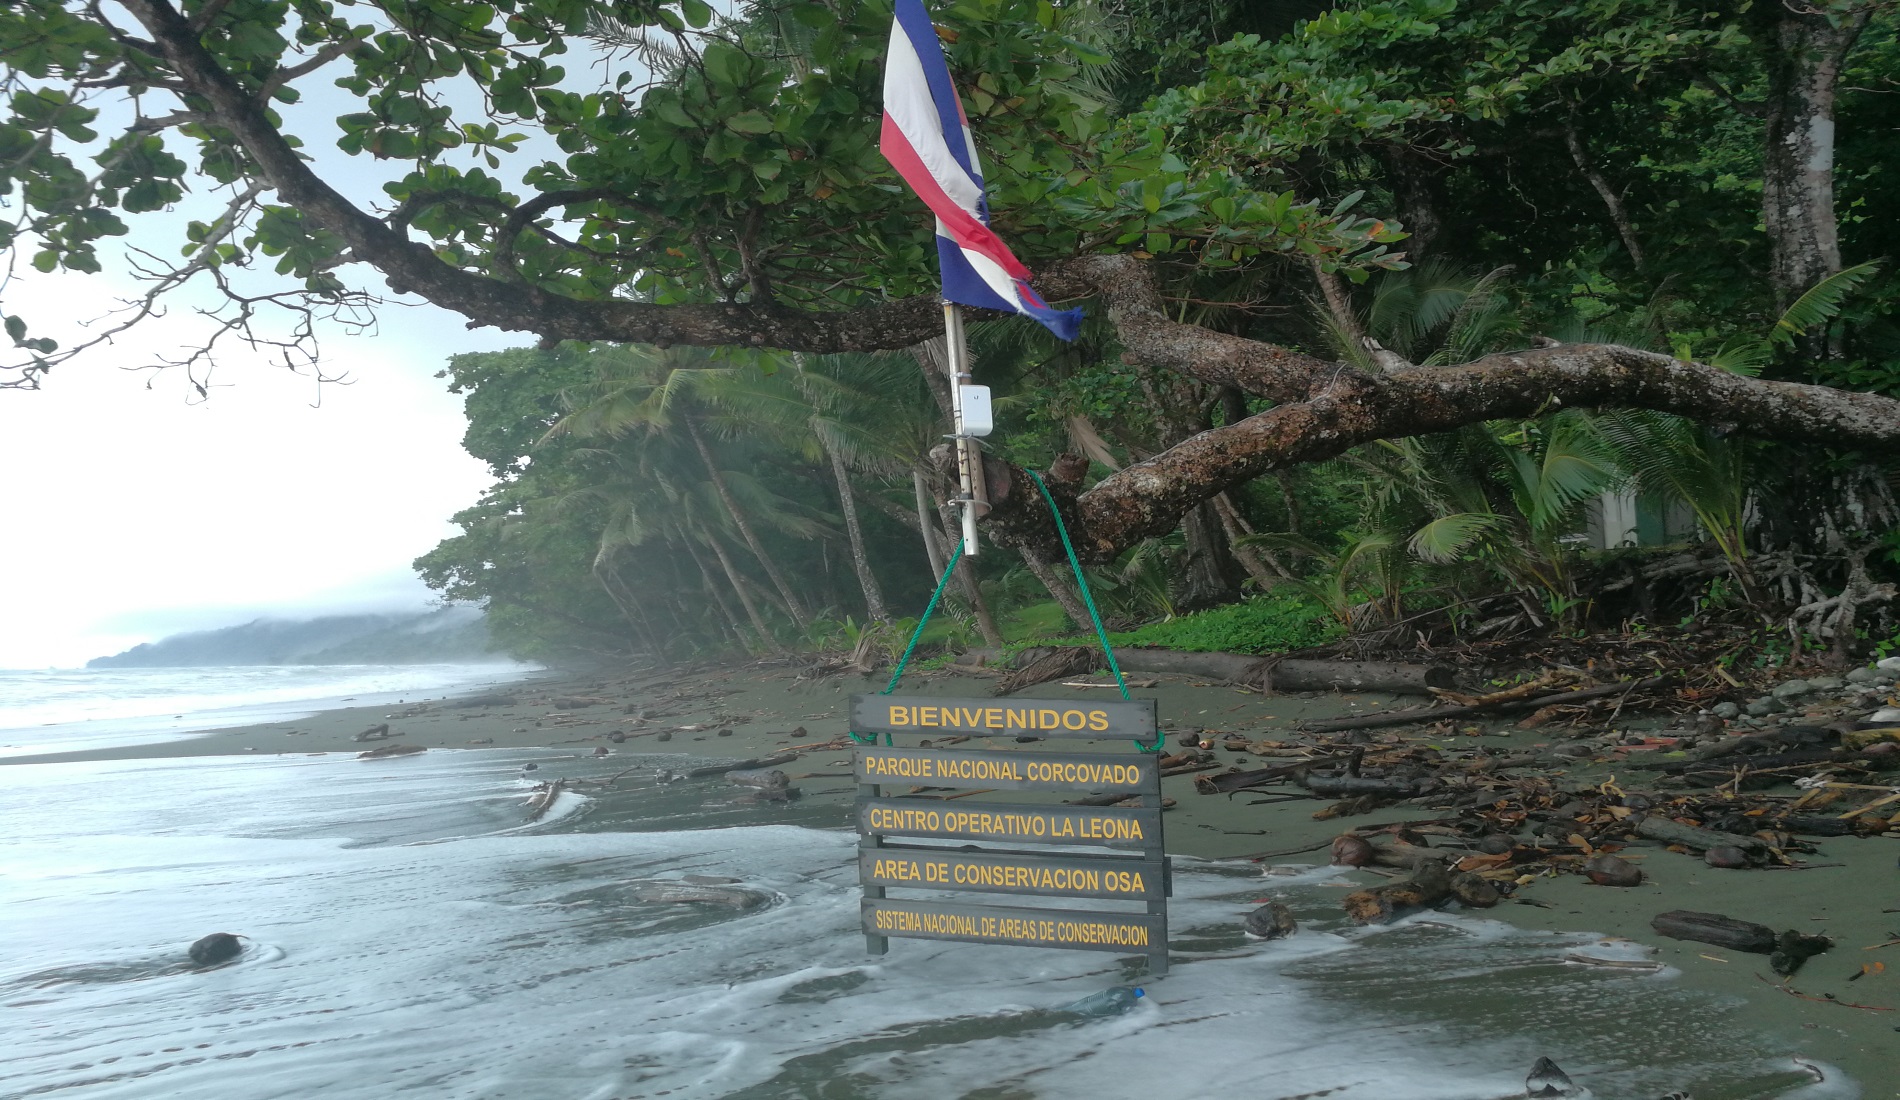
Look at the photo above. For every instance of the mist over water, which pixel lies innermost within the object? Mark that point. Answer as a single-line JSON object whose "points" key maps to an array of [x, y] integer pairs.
{"points": [[64, 710], [408, 931]]}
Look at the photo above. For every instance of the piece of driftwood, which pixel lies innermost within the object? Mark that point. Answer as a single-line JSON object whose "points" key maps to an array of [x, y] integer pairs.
{"points": [[1334, 786], [1434, 714], [1428, 886], [543, 799], [1291, 674], [685, 893], [1403, 856], [1240, 781], [1689, 836], [388, 751], [1549, 681], [1045, 663], [772, 761], [1713, 928], [1805, 825], [470, 701], [1793, 948]]}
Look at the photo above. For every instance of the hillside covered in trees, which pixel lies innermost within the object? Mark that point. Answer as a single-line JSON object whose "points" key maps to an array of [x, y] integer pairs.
{"points": [[1407, 319]]}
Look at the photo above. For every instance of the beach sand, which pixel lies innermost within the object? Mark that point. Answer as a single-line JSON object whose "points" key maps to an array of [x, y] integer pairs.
{"points": [[1850, 891]]}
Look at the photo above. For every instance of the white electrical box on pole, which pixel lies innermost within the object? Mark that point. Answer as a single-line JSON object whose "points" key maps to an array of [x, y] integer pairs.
{"points": [[970, 418]]}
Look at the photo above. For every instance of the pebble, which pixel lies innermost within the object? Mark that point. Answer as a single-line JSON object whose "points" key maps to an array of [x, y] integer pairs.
{"points": [[1865, 676], [1547, 1080], [1271, 921], [1351, 851], [666, 736], [1725, 856], [1765, 706], [1885, 714], [1609, 870], [1726, 710], [1889, 664], [216, 948], [1791, 689], [1826, 683]]}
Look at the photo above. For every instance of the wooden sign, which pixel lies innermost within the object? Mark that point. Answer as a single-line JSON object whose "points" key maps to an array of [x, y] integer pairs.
{"points": [[1010, 822], [927, 716], [1002, 771], [1051, 876], [1127, 933], [1128, 866]]}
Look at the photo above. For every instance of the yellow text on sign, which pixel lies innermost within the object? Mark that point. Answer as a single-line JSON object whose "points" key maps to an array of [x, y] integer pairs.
{"points": [[1001, 769], [1008, 929], [927, 872], [1002, 719], [1004, 825]]}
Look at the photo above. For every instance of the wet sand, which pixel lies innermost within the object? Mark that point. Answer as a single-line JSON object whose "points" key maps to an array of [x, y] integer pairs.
{"points": [[1850, 891]]}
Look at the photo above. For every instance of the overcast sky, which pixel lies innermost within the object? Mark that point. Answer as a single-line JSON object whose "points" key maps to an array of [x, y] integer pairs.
{"points": [[131, 513]]}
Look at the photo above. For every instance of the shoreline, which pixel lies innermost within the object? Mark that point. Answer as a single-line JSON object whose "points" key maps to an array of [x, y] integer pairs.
{"points": [[768, 710]]}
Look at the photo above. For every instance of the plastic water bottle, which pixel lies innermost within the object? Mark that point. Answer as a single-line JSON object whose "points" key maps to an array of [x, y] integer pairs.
{"points": [[1109, 1002]]}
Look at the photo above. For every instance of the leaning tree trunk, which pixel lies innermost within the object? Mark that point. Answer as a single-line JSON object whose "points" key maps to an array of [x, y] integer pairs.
{"points": [[712, 589], [745, 597], [926, 526], [1797, 195], [624, 601], [860, 561], [966, 576], [1212, 574], [1064, 595], [739, 520], [1253, 560]]}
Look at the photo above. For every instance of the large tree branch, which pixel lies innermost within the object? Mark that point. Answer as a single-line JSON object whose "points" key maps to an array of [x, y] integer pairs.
{"points": [[1151, 339], [1149, 498], [412, 267]]}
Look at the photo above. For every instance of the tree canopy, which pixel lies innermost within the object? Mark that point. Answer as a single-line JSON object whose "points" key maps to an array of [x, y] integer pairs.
{"points": [[1685, 193]]}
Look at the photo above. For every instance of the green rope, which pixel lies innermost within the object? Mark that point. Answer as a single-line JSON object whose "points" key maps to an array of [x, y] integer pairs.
{"points": [[1082, 583], [916, 635]]}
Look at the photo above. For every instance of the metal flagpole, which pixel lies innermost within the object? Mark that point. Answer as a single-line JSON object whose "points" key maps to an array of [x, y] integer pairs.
{"points": [[969, 458]]}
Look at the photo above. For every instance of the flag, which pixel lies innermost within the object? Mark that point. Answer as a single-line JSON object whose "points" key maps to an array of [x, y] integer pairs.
{"points": [[927, 139]]}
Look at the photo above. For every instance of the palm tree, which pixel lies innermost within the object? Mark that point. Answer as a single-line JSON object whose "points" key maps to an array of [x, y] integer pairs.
{"points": [[655, 393]]}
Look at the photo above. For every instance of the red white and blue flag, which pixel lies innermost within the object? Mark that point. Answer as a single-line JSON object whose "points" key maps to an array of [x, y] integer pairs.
{"points": [[927, 139]]}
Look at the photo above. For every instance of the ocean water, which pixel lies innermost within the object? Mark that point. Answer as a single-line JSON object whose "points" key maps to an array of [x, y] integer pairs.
{"points": [[65, 710], [410, 933]]}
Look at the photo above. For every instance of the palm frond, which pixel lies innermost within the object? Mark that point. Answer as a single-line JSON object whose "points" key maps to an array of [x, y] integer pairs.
{"points": [[1446, 538], [1822, 302]]}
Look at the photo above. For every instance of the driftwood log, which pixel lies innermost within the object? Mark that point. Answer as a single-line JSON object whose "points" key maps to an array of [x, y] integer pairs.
{"points": [[1713, 928], [772, 761], [1434, 714], [1689, 836], [543, 799], [1430, 885], [1045, 663], [1334, 786], [763, 778], [388, 751]]}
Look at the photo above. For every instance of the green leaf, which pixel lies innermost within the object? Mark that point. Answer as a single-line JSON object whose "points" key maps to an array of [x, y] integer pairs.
{"points": [[750, 122], [1822, 302], [698, 14]]}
